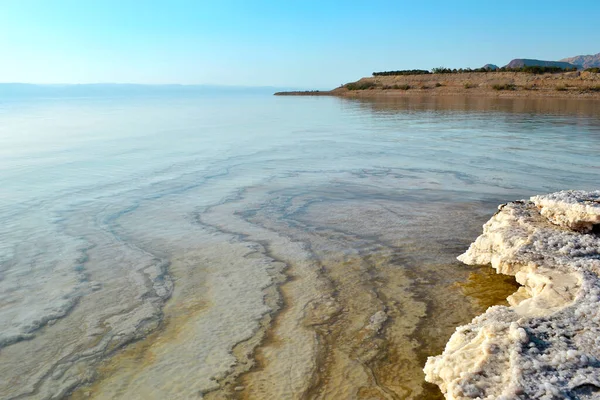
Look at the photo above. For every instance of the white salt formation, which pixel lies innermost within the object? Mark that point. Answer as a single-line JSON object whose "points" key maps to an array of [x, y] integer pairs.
{"points": [[575, 209], [546, 345]]}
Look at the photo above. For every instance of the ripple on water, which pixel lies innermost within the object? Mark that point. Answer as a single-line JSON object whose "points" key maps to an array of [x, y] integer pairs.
{"points": [[313, 257], [370, 289]]}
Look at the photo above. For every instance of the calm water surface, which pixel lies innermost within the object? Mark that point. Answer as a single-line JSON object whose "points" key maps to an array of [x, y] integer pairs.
{"points": [[251, 246]]}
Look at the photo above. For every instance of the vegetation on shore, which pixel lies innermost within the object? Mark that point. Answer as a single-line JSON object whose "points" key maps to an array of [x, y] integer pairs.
{"points": [[398, 87], [533, 69], [360, 85], [403, 72], [466, 85], [508, 85], [505, 86], [534, 81]]}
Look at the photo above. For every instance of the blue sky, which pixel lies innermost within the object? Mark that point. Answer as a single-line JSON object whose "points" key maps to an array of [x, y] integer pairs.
{"points": [[305, 44]]}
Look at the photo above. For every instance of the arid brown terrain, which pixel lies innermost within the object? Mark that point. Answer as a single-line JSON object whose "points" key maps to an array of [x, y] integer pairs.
{"points": [[499, 84]]}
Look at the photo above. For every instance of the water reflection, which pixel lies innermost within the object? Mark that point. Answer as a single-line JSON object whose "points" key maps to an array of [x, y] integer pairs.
{"points": [[550, 106]]}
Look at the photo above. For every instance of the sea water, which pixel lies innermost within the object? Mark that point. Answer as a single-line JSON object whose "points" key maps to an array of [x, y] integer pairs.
{"points": [[165, 245]]}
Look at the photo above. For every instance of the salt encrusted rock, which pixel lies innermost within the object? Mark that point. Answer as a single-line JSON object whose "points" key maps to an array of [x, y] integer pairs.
{"points": [[575, 209], [546, 345]]}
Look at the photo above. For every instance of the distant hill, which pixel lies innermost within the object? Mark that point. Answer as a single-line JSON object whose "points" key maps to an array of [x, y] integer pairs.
{"points": [[525, 62], [589, 61], [490, 67]]}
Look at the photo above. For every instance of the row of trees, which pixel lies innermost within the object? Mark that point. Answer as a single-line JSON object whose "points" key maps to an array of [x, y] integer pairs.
{"points": [[403, 72], [443, 70], [533, 69]]}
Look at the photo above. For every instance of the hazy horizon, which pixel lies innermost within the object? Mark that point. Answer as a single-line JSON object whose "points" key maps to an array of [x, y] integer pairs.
{"points": [[198, 85], [33, 90], [268, 43]]}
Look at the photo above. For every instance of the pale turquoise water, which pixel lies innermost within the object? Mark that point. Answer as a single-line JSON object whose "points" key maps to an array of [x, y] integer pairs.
{"points": [[90, 183]]}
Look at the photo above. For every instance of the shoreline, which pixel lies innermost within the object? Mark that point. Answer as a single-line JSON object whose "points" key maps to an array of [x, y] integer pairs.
{"points": [[544, 345], [575, 85]]}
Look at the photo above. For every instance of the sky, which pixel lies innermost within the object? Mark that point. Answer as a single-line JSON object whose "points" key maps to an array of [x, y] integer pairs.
{"points": [[302, 44]]}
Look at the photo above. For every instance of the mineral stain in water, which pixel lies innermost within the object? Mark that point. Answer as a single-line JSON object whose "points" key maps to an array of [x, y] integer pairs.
{"points": [[257, 247]]}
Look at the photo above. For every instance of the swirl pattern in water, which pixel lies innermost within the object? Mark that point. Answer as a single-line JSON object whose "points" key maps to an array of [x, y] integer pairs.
{"points": [[242, 246]]}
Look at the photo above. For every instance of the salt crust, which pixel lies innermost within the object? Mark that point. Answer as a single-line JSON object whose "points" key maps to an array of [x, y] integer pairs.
{"points": [[546, 345], [575, 209]]}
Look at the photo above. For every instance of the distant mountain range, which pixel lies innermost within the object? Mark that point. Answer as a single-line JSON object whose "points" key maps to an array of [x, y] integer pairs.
{"points": [[579, 62], [525, 62], [585, 62]]}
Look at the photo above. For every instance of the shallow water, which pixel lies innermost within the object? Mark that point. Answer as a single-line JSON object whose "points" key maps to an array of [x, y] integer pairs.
{"points": [[247, 246]]}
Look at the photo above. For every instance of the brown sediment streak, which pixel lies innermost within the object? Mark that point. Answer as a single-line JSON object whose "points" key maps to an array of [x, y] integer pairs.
{"points": [[324, 317], [487, 288], [351, 360], [351, 340], [350, 313], [135, 358], [248, 352], [269, 340]]}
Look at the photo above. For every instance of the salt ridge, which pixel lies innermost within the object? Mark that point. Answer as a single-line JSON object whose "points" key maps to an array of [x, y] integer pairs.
{"points": [[546, 345]]}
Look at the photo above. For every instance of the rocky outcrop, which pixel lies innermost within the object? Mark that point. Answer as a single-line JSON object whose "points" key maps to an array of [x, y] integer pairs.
{"points": [[525, 62], [546, 345], [589, 61]]}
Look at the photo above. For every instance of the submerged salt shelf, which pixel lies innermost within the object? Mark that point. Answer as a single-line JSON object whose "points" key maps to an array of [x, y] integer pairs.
{"points": [[256, 247], [546, 345]]}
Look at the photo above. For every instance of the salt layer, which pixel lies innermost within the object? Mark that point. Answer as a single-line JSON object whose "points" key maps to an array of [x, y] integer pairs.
{"points": [[575, 209], [546, 345]]}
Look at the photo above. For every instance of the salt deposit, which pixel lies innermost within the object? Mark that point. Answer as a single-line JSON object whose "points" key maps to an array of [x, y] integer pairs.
{"points": [[575, 209], [546, 345]]}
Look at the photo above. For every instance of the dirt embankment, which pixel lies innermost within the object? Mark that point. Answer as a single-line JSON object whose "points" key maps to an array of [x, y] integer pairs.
{"points": [[498, 84]]}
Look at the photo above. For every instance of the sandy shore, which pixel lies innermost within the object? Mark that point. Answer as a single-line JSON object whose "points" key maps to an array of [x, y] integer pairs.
{"points": [[496, 84]]}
